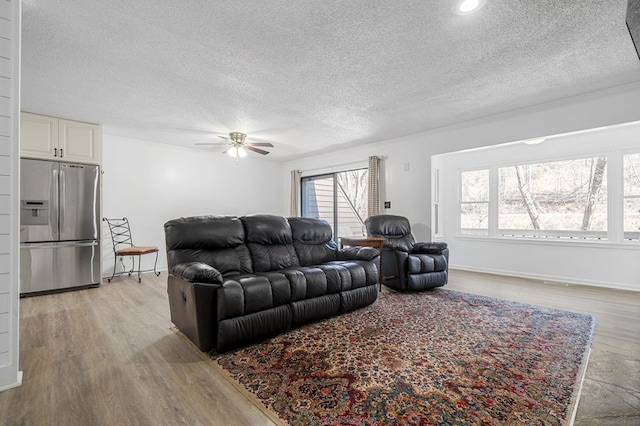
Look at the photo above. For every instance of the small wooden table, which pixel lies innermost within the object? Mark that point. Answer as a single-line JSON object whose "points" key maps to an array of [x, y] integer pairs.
{"points": [[375, 242]]}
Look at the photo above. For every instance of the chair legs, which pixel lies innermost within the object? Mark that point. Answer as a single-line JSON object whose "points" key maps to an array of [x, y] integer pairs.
{"points": [[133, 267], [140, 265]]}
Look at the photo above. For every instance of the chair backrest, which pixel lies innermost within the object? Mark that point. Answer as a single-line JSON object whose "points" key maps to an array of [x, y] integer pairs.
{"points": [[396, 230], [120, 232], [312, 239], [270, 242], [218, 241]]}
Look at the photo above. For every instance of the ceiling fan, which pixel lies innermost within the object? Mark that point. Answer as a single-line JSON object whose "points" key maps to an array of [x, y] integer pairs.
{"points": [[237, 147]]}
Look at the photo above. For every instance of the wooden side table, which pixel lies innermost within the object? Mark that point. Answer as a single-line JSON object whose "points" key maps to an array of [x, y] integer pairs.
{"points": [[375, 242]]}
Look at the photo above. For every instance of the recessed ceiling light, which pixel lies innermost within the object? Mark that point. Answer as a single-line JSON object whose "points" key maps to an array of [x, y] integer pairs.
{"points": [[534, 141], [465, 7]]}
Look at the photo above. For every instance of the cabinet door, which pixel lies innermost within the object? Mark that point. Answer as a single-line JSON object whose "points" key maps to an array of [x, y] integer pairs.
{"points": [[38, 136], [80, 142]]}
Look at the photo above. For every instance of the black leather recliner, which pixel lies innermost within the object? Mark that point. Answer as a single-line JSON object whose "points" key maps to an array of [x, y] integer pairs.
{"points": [[407, 265]]}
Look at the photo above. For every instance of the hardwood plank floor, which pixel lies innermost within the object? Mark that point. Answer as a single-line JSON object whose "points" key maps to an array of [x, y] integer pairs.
{"points": [[107, 356]]}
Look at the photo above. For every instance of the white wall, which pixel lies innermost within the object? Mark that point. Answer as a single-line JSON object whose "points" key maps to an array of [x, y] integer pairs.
{"points": [[9, 172], [151, 183], [409, 191]]}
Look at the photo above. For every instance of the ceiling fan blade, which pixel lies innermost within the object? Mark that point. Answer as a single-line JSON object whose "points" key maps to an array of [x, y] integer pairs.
{"points": [[225, 151], [258, 150], [211, 143], [261, 144], [223, 137]]}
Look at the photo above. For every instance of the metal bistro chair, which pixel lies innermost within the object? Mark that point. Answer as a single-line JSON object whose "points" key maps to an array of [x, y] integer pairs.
{"points": [[123, 246]]}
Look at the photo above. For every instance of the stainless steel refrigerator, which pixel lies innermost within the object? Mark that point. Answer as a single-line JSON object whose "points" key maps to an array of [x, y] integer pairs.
{"points": [[59, 225]]}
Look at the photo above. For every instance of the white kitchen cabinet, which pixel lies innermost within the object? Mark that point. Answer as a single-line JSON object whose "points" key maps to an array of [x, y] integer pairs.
{"points": [[54, 138], [38, 136]]}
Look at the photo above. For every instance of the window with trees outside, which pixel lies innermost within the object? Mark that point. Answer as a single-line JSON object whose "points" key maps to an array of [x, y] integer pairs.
{"points": [[338, 198], [631, 196], [474, 202], [557, 199], [554, 199]]}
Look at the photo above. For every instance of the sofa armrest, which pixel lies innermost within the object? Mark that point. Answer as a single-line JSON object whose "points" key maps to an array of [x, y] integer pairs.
{"points": [[193, 310], [358, 253], [429, 248], [197, 272]]}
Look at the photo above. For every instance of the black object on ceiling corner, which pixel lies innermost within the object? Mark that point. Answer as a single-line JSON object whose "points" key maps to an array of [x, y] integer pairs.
{"points": [[633, 23]]}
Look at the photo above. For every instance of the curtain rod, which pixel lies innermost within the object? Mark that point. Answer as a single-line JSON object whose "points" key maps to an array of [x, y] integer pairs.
{"points": [[338, 165]]}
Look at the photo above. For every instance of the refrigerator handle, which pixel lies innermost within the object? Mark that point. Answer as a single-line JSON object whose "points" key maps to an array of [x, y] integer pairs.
{"points": [[63, 196], [54, 216]]}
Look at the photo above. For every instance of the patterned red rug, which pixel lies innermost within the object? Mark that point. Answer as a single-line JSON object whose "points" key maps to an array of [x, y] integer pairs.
{"points": [[441, 357]]}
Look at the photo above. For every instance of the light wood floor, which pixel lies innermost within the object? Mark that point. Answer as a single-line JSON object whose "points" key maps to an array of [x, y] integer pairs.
{"points": [[107, 356]]}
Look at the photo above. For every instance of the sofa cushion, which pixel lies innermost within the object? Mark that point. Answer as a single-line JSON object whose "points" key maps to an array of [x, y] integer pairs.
{"points": [[280, 286], [306, 282], [420, 263], [359, 273], [312, 240], [270, 242], [218, 241], [243, 295]]}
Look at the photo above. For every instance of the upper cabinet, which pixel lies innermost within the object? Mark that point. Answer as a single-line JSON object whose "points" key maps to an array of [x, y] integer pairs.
{"points": [[57, 139]]}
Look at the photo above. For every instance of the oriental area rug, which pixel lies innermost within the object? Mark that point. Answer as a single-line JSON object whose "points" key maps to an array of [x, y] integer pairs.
{"points": [[433, 358]]}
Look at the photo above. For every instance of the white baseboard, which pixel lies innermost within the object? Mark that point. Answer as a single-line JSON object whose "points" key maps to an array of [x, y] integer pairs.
{"points": [[104, 277], [548, 278], [15, 384]]}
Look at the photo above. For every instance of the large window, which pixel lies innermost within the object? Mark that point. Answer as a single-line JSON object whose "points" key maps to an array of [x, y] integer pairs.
{"points": [[631, 196], [554, 199], [566, 199], [338, 198]]}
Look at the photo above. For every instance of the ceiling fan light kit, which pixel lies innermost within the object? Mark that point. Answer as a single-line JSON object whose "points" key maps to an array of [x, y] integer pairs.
{"points": [[237, 152], [238, 147]]}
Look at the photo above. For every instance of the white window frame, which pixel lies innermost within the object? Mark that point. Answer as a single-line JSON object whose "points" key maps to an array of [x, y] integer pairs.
{"points": [[625, 197], [487, 202], [615, 200]]}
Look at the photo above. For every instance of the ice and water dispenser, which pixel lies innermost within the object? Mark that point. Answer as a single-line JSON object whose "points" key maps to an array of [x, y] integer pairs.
{"points": [[34, 212]]}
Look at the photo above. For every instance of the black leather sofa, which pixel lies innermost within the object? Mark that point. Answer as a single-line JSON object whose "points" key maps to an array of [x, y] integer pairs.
{"points": [[234, 280], [408, 265]]}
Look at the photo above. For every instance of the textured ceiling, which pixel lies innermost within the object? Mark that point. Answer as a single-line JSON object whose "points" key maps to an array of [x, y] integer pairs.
{"points": [[308, 75]]}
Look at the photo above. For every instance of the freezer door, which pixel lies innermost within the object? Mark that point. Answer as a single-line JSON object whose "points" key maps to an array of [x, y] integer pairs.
{"points": [[79, 202], [38, 200], [56, 266]]}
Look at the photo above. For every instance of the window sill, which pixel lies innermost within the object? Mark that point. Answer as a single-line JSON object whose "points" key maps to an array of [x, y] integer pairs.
{"points": [[625, 245]]}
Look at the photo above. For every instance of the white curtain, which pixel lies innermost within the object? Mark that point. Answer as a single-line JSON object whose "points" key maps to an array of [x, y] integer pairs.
{"points": [[295, 193], [373, 197]]}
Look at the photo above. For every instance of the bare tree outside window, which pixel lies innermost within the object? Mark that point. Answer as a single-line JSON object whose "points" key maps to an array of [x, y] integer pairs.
{"points": [[554, 199], [474, 202], [352, 203], [338, 198]]}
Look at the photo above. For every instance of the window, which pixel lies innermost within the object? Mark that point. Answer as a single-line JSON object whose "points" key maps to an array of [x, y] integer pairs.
{"points": [[554, 199], [474, 202], [631, 196], [338, 198], [582, 187]]}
